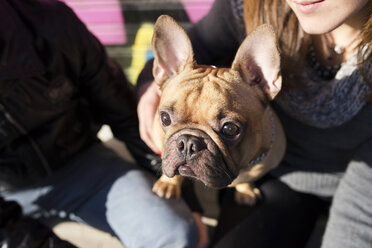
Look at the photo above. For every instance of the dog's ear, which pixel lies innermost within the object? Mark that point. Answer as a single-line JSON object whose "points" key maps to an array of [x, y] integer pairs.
{"points": [[258, 60], [172, 49]]}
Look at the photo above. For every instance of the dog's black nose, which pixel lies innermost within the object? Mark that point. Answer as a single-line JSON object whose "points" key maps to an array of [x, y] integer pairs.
{"points": [[188, 146]]}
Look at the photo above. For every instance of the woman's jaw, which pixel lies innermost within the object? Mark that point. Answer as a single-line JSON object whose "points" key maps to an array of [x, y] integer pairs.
{"points": [[324, 16]]}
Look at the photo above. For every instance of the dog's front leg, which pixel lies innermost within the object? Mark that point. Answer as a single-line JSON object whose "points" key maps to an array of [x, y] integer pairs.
{"points": [[246, 194], [166, 187]]}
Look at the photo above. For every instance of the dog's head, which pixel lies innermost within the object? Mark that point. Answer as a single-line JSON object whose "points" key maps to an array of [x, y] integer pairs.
{"points": [[210, 120]]}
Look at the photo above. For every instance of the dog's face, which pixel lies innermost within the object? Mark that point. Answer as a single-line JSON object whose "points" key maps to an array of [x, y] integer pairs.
{"points": [[210, 120]]}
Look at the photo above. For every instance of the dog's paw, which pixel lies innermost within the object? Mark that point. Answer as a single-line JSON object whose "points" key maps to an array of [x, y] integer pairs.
{"points": [[246, 194], [167, 188]]}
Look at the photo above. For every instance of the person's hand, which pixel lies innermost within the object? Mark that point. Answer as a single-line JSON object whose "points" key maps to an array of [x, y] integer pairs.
{"points": [[203, 239], [148, 103]]}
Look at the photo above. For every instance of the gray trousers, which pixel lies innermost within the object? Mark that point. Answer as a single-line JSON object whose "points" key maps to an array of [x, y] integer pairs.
{"points": [[100, 189]]}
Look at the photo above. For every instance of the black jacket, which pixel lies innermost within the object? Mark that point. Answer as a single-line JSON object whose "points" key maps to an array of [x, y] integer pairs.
{"points": [[57, 86]]}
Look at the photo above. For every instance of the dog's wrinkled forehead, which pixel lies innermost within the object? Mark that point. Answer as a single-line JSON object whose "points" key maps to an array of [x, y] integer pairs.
{"points": [[205, 93]]}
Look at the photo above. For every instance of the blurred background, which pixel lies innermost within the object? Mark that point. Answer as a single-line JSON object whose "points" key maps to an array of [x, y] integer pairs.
{"points": [[125, 26]]}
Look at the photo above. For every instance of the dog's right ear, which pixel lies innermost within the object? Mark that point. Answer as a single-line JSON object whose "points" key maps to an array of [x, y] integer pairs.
{"points": [[258, 60], [172, 49]]}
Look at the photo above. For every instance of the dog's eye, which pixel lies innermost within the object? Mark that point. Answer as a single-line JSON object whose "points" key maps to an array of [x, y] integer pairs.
{"points": [[165, 119], [230, 129]]}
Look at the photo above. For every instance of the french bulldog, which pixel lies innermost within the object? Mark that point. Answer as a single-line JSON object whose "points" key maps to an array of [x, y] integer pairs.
{"points": [[216, 124]]}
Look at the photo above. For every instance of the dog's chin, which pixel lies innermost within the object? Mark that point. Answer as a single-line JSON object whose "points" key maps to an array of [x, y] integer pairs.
{"points": [[216, 183], [214, 176]]}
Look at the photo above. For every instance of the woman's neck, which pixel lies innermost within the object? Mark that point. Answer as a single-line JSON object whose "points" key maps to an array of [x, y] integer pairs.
{"points": [[342, 43]]}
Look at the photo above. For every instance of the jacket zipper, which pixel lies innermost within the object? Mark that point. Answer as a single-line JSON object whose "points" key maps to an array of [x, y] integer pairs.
{"points": [[34, 145]]}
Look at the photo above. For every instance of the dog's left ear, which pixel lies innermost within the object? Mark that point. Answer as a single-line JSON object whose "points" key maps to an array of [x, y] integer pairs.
{"points": [[172, 49], [258, 60]]}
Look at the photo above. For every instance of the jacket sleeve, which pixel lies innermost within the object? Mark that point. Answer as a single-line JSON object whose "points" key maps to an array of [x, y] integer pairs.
{"points": [[350, 219], [110, 96]]}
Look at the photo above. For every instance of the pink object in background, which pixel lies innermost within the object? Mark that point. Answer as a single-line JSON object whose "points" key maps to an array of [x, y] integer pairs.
{"points": [[103, 18], [196, 9]]}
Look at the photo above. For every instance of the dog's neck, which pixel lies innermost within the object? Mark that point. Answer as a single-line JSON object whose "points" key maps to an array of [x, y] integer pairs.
{"points": [[263, 155]]}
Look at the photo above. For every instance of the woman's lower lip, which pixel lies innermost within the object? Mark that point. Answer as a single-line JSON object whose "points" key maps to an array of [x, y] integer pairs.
{"points": [[307, 8]]}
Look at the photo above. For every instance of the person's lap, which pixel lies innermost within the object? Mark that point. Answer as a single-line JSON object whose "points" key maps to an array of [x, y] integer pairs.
{"points": [[283, 218], [102, 190]]}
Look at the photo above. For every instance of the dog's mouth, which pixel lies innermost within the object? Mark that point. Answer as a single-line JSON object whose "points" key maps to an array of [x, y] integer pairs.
{"points": [[215, 178], [182, 169], [186, 171], [196, 157]]}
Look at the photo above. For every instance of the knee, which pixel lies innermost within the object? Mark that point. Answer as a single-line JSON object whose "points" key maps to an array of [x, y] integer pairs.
{"points": [[168, 233], [142, 219], [181, 233]]}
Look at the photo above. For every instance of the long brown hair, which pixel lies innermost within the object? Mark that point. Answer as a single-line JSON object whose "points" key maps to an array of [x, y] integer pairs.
{"points": [[293, 41], [366, 58]]}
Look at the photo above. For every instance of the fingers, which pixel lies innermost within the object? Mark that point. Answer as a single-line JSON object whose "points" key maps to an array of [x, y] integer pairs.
{"points": [[145, 128], [203, 240], [146, 109]]}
